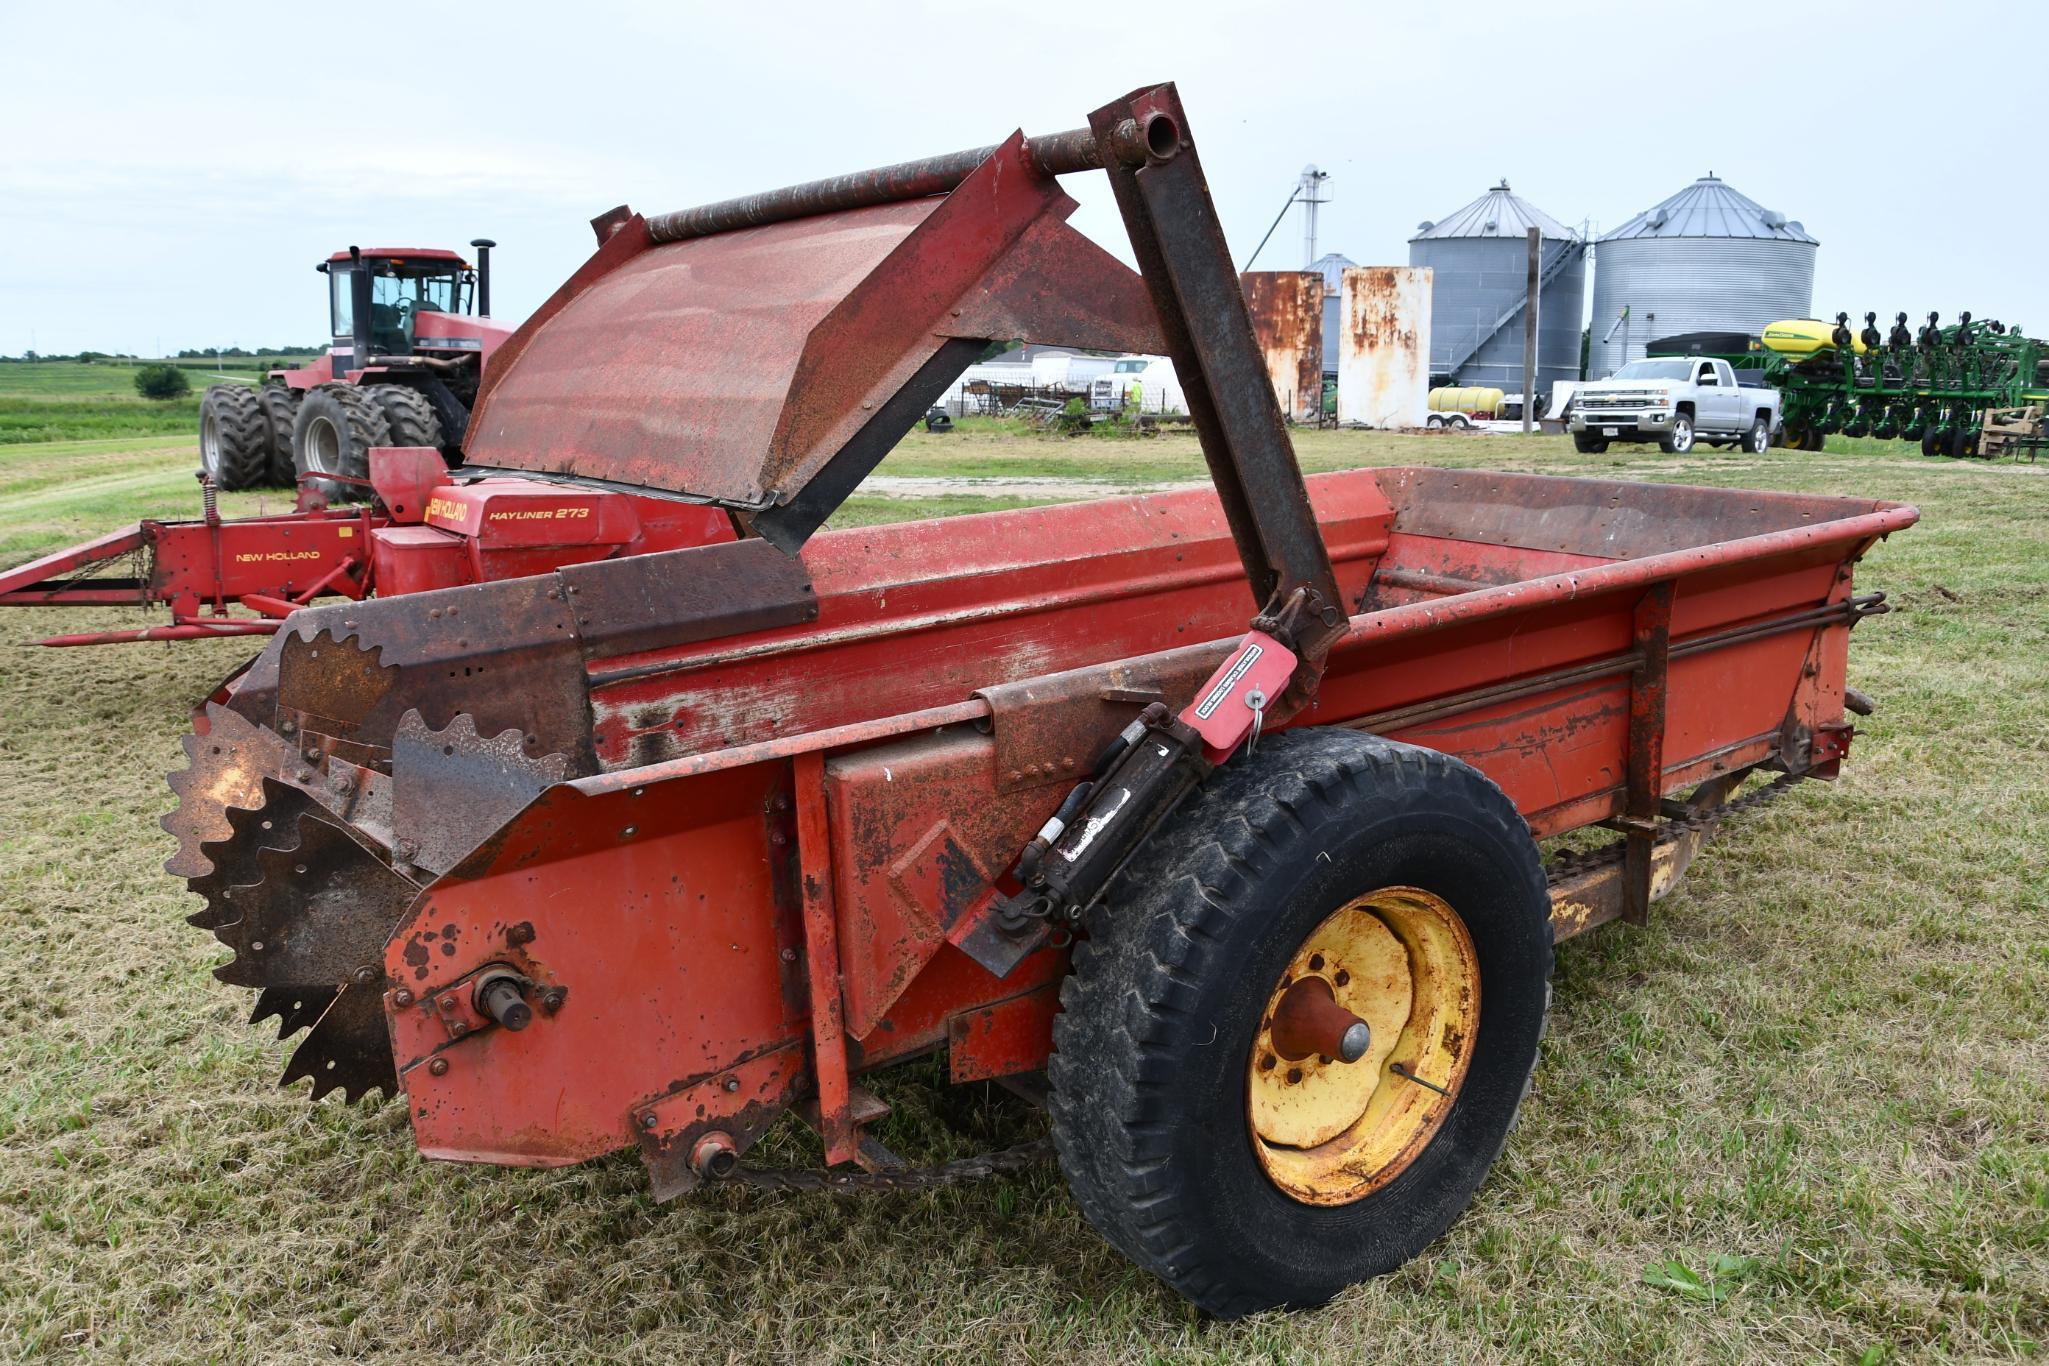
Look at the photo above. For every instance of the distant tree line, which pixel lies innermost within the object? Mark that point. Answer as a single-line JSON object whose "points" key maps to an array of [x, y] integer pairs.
{"points": [[123, 357]]}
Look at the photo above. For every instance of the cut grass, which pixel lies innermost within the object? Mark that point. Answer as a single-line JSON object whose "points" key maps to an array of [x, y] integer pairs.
{"points": [[1826, 1056]]}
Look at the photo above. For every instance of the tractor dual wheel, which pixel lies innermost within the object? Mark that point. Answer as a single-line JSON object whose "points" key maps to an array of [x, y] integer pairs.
{"points": [[234, 438], [280, 406], [1298, 1031], [332, 435], [408, 414]]}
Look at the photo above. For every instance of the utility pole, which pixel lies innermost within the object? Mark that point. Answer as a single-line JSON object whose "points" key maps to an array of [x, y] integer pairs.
{"points": [[1530, 333]]}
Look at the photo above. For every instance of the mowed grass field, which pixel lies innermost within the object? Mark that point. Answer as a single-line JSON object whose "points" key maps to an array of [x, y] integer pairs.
{"points": [[1818, 1082]]}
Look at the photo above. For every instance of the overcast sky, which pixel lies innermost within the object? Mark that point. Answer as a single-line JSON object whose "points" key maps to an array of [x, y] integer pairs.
{"points": [[169, 179]]}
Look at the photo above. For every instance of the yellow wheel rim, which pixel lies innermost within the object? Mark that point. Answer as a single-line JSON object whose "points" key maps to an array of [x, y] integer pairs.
{"points": [[1327, 1131]]}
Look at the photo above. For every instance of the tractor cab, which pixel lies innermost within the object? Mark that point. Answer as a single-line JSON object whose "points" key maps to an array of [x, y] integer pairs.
{"points": [[408, 287]]}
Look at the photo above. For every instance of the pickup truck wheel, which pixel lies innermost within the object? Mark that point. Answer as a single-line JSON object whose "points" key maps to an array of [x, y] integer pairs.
{"points": [[1302, 1021], [1678, 438], [1588, 444], [1758, 439]]}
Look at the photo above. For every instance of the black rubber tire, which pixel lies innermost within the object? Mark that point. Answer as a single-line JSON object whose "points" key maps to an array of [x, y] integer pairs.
{"points": [[1963, 443], [1758, 439], [1588, 445], [408, 414], [1678, 438], [280, 406], [1160, 1011], [1932, 441], [333, 433], [234, 442]]}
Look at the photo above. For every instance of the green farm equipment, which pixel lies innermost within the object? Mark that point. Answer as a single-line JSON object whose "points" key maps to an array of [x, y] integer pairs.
{"points": [[1945, 387]]}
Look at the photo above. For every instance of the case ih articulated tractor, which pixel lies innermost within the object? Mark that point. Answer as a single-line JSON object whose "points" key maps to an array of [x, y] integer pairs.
{"points": [[410, 326]]}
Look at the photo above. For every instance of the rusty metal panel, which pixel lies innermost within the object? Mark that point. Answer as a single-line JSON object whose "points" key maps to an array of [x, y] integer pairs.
{"points": [[1384, 346], [1287, 322], [759, 357]]}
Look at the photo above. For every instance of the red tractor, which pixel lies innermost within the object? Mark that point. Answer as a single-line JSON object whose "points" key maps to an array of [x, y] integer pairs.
{"points": [[411, 327]]}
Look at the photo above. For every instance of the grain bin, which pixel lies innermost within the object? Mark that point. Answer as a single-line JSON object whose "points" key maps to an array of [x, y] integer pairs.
{"points": [[1333, 265], [1481, 259], [1706, 260]]}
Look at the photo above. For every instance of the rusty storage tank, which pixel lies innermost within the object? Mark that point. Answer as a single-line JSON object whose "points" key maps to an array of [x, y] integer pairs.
{"points": [[1481, 259], [1287, 310], [1384, 346], [1706, 260], [1333, 266]]}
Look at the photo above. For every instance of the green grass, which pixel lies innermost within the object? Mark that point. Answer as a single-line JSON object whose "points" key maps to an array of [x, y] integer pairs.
{"points": [[69, 401], [1826, 1057]]}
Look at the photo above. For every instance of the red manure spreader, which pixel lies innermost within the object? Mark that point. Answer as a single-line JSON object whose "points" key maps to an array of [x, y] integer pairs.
{"points": [[1211, 818]]}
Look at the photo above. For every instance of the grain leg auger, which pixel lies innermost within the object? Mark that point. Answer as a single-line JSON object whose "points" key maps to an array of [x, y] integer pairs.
{"points": [[648, 851]]}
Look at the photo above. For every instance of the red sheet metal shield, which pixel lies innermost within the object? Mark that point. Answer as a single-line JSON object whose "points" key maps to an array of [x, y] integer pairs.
{"points": [[736, 367]]}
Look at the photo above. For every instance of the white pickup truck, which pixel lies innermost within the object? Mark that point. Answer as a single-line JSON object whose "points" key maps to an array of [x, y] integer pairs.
{"points": [[1674, 401]]}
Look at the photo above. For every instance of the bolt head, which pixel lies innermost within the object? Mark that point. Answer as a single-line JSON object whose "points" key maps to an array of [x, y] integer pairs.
{"points": [[458, 1028], [367, 976], [448, 1003], [648, 1120], [439, 1067], [521, 933], [789, 955], [402, 998], [731, 1084], [551, 999]]}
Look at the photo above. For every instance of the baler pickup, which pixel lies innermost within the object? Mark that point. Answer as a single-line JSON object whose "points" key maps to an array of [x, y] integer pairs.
{"points": [[1211, 816]]}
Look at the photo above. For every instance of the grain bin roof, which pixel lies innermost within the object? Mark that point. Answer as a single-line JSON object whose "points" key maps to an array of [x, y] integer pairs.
{"points": [[1709, 208], [1497, 213], [1333, 264]]}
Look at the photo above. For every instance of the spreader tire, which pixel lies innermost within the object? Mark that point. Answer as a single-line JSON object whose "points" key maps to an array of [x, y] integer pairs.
{"points": [[280, 406], [1167, 1005], [234, 442], [408, 414], [332, 435]]}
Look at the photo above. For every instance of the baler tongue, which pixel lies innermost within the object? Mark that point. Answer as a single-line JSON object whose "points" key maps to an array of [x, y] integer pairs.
{"points": [[765, 354]]}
